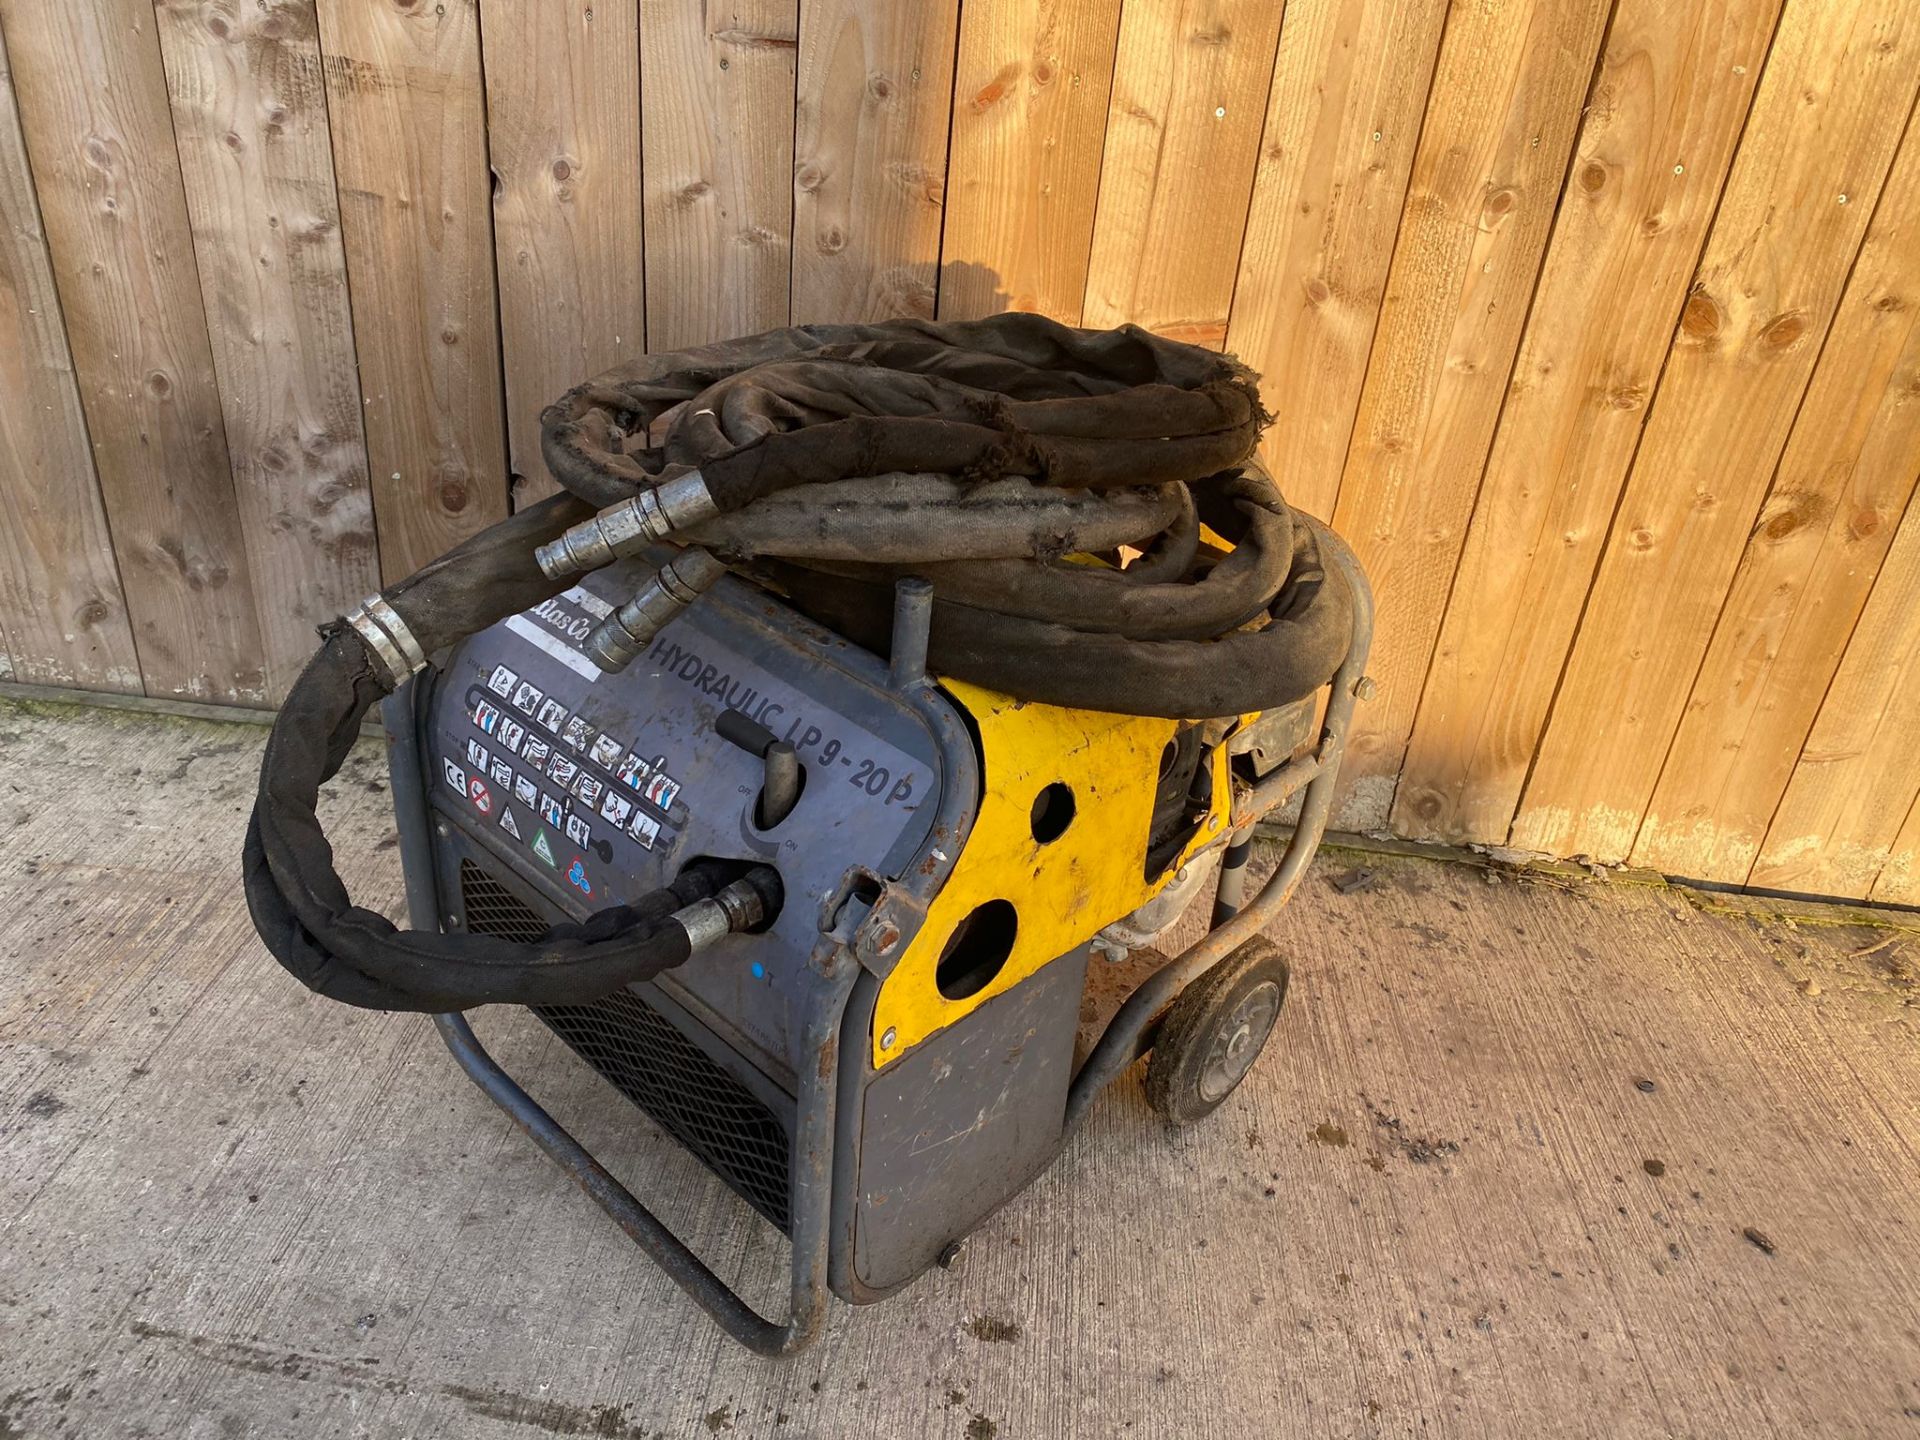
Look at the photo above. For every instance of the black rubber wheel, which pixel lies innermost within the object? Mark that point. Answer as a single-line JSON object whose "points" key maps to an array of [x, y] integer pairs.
{"points": [[1214, 1033]]}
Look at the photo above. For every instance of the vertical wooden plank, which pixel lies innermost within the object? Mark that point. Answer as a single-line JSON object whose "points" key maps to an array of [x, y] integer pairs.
{"points": [[409, 147], [716, 98], [876, 78], [563, 131], [93, 105], [1899, 880], [1343, 114], [1658, 138], [1506, 101], [1829, 112], [1029, 117], [63, 620], [250, 120], [1853, 788], [1845, 480], [1183, 136]]}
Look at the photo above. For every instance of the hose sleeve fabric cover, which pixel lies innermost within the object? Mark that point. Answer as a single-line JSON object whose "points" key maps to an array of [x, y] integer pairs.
{"points": [[1013, 395], [991, 458]]}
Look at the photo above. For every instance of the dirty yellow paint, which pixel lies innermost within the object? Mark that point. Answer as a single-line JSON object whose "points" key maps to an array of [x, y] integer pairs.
{"points": [[1063, 891]]}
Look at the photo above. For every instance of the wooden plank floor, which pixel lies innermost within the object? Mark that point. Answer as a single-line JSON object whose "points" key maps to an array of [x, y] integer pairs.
{"points": [[1494, 1181]]}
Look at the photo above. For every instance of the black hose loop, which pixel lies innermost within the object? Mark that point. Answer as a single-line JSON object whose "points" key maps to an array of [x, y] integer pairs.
{"points": [[297, 899]]}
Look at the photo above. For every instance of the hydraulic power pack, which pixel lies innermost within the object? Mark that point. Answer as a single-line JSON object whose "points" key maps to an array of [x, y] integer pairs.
{"points": [[829, 878]]}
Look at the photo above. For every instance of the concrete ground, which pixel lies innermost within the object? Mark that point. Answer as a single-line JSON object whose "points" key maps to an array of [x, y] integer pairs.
{"points": [[1525, 1159]]}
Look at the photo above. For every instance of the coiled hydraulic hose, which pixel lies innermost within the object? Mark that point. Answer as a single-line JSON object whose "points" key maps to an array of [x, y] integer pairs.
{"points": [[1082, 503], [992, 458]]}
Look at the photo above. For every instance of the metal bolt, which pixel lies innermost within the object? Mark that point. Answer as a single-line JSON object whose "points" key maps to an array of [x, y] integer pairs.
{"points": [[1364, 688], [886, 1040]]}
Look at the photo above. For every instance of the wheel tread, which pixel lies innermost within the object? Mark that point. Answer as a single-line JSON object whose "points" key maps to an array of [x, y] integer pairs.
{"points": [[1186, 1034]]}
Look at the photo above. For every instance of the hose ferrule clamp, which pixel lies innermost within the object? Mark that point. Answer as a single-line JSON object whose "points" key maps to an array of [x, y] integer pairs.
{"points": [[679, 504], [654, 514], [387, 635], [705, 921], [736, 908]]}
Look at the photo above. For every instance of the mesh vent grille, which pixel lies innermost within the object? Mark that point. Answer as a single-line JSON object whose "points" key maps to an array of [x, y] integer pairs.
{"points": [[492, 909], [694, 1100], [638, 1052]]}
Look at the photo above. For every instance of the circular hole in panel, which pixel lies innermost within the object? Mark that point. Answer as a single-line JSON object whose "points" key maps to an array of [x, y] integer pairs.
{"points": [[1052, 812], [976, 950]]}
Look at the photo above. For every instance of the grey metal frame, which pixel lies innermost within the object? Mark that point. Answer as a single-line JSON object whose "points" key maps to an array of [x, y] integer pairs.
{"points": [[1126, 1037], [857, 936]]}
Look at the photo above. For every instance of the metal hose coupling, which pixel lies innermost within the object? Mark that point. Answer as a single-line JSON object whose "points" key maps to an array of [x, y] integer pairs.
{"points": [[388, 637], [631, 525], [739, 906], [618, 639]]}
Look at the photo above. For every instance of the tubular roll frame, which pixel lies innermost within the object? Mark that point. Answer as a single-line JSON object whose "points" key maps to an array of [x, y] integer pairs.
{"points": [[833, 969]]}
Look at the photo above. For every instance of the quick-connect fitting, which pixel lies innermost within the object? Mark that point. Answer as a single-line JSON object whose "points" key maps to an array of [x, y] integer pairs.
{"points": [[619, 638], [654, 514], [739, 906]]}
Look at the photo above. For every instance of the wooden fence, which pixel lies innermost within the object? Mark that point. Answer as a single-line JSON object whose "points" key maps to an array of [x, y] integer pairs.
{"points": [[1595, 325]]}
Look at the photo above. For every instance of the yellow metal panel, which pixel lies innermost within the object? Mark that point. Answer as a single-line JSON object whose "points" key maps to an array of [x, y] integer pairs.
{"points": [[1065, 890]]}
